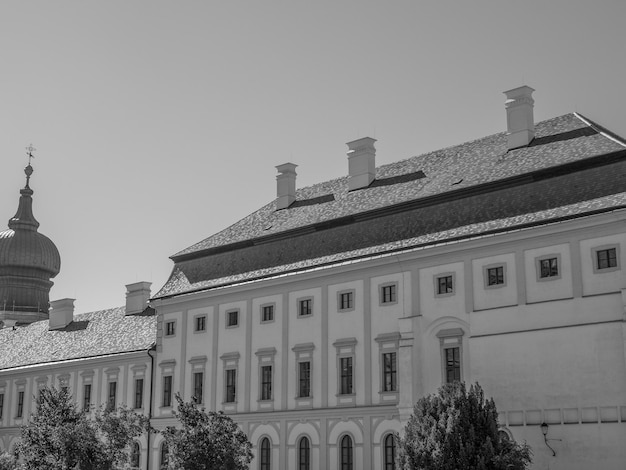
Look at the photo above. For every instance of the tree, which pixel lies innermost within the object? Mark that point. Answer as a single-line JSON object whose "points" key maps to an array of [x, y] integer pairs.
{"points": [[7, 461], [59, 437], [456, 429], [206, 440]]}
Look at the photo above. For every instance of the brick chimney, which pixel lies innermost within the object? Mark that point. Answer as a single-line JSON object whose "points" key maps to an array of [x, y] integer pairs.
{"points": [[361, 163], [137, 296], [285, 185], [520, 121], [61, 313]]}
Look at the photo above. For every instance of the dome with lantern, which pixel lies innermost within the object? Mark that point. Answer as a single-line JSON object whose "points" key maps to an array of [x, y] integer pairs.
{"points": [[28, 260]]}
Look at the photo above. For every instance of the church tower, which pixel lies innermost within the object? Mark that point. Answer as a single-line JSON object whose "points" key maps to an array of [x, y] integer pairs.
{"points": [[28, 260]]}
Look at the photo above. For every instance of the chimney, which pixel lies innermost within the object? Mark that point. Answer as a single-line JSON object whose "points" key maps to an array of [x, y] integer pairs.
{"points": [[520, 121], [61, 313], [285, 185], [361, 163], [137, 296]]}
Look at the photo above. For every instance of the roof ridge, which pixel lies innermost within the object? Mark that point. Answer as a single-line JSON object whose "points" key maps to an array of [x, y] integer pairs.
{"points": [[601, 129]]}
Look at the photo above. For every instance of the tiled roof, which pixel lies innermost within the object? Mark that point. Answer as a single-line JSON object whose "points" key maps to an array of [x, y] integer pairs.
{"points": [[90, 334], [565, 139], [179, 283]]}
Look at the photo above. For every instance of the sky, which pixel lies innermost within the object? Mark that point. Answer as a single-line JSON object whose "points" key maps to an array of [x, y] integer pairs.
{"points": [[160, 123]]}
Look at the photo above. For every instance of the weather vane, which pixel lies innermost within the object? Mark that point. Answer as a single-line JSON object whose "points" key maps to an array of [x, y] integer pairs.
{"points": [[30, 149]]}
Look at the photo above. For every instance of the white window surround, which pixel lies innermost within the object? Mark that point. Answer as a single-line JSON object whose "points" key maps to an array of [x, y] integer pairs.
{"points": [[594, 261], [230, 361], [198, 365], [168, 368], [304, 353], [388, 343], [450, 338], [166, 327], [266, 358], [352, 294], [381, 296], [229, 313], [299, 306], [486, 269], [559, 265], [195, 323], [261, 310], [346, 349], [438, 276]]}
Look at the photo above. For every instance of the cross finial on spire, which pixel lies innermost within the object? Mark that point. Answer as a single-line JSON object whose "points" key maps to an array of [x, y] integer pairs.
{"points": [[30, 149], [29, 169]]}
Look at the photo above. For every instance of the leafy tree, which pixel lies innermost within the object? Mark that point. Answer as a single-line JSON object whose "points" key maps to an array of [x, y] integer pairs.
{"points": [[456, 429], [206, 440], [59, 437], [7, 462]]}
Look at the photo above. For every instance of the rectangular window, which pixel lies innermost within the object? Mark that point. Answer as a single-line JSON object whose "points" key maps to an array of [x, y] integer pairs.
{"points": [[112, 395], [231, 385], [346, 375], [304, 379], [495, 276], [606, 258], [86, 397], [266, 383], [548, 267], [1, 404], [390, 380], [200, 323], [167, 390], [232, 318], [444, 285], [20, 404], [198, 379], [346, 300], [305, 307], [388, 294], [170, 328], [453, 364], [139, 393], [267, 313]]}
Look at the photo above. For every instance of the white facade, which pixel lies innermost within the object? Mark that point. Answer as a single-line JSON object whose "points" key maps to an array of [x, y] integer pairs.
{"points": [[547, 349]]}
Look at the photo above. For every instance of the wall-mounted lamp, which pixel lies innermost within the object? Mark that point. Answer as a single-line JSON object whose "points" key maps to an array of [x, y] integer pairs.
{"points": [[544, 431]]}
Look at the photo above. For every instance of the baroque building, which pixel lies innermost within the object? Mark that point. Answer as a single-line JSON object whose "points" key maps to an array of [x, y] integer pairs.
{"points": [[319, 320]]}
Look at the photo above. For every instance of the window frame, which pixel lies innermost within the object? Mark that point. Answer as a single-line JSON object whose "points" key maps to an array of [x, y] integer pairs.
{"points": [[112, 394], [197, 387], [265, 453], [139, 388], [231, 314], [596, 260], [346, 452], [304, 450], [304, 354], [272, 307], [230, 386], [436, 280], [393, 294], [305, 304], [169, 329], [87, 397], [393, 373], [450, 339], [350, 295], [389, 465], [164, 456], [1, 405], [230, 362], [167, 384], [495, 266], [19, 412], [266, 382], [200, 323], [135, 454], [539, 268]]}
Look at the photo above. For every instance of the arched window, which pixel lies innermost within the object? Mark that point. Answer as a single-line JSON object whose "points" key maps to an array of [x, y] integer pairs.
{"points": [[304, 454], [135, 455], [164, 460], [390, 452], [346, 453], [265, 457]]}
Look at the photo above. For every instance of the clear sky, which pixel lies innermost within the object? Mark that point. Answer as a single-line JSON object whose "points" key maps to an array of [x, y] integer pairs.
{"points": [[159, 123]]}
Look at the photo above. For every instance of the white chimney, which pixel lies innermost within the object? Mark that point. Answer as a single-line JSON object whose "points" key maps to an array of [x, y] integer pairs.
{"points": [[361, 163], [137, 296], [285, 185], [61, 313], [520, 121]]}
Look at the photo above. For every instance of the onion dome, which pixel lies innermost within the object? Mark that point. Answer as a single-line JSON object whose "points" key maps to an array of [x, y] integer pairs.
{"points": [[28, 260]]}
